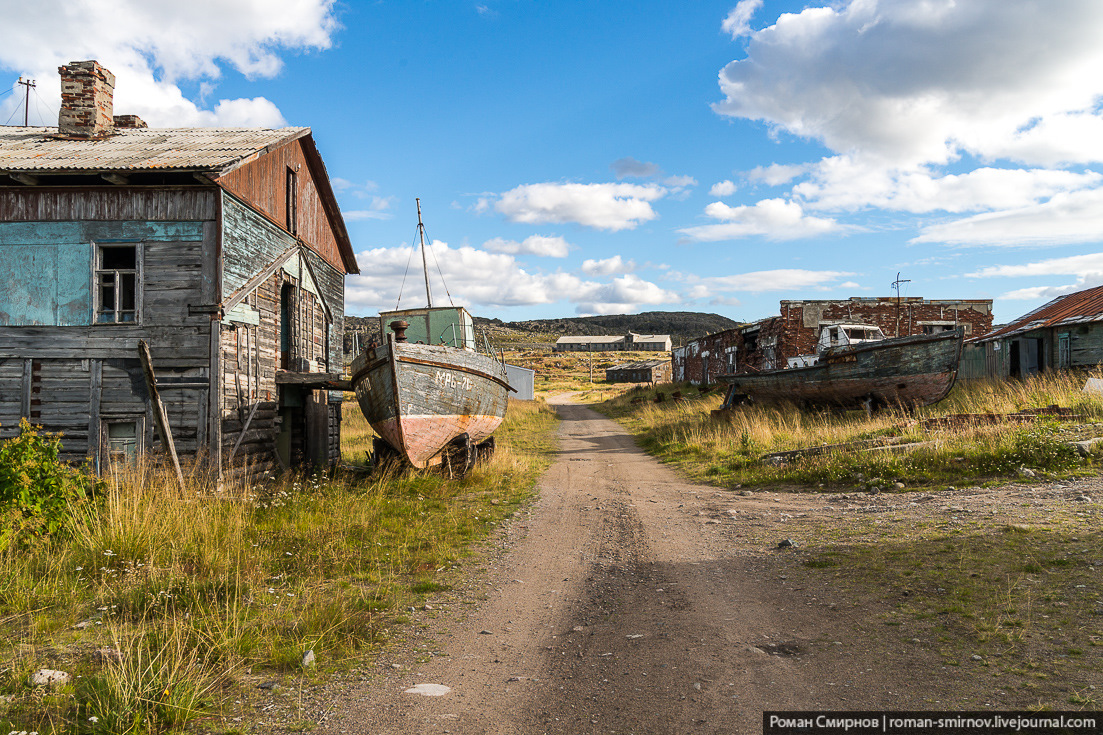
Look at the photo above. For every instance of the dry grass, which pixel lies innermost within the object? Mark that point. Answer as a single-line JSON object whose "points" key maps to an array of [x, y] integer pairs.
{"points": [[194, 587], [729, 452]]}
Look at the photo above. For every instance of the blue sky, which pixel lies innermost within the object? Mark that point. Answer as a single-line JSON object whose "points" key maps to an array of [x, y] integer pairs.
{"points": [[582, 158]]}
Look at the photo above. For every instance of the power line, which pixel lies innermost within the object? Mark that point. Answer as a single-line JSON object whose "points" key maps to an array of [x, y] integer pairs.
{"points": [[28, 85]]}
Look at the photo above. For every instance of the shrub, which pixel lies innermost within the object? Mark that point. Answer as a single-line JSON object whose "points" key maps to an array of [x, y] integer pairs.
{"points": [[36, 488]]}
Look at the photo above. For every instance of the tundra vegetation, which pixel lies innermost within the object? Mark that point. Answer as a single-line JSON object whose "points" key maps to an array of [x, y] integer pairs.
{"points": [[168, 606], [971, 546]]}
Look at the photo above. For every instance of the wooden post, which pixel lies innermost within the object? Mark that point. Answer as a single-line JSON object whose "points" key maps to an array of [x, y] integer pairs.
{"points": [[159, 413]]}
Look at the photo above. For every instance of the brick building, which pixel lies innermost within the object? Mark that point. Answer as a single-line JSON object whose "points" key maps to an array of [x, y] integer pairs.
{"points": [[792, 338]]}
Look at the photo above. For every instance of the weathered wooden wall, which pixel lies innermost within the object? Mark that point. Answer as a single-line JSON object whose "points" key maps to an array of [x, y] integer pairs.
{"points": [[73, 375], [263, 183]]}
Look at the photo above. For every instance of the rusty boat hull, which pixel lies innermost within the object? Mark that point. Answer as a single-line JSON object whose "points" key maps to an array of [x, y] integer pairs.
{"points": [[419, 397], [907, 371]]}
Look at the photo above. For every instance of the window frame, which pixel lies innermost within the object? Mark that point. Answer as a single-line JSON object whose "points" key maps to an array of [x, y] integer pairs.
{"points": [[98, 274], [291, 192]]}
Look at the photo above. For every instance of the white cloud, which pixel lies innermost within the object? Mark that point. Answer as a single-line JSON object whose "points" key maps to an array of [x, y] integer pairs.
{"points": [[489, 280], [149, 46], [776, 174], [548, 247], [841, 182], [722, 188], [906, 83], [776, 219], [1088, 270], [600, 206], [1065, 218], [785, 279], [738, 22], [607, 266]]}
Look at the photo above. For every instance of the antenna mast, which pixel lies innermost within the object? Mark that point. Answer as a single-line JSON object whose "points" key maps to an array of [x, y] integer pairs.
{"points": [[29, 84], [896, 284], [424, 263]]}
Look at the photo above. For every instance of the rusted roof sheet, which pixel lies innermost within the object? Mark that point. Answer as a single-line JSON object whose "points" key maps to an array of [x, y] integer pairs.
{"points": [[1075, 308], [39, 150]]}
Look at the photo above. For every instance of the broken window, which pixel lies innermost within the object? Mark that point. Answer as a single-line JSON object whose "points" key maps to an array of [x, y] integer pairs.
{"points": [[292, 225], [117, 283], [122, 442]]}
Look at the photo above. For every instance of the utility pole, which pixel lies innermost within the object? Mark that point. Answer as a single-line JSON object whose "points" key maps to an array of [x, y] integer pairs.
{"points": [[29, 84], [896, 284]]}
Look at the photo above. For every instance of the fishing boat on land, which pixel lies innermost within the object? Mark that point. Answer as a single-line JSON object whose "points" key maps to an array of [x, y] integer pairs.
{"points": [[427, 391], [905, 371]]}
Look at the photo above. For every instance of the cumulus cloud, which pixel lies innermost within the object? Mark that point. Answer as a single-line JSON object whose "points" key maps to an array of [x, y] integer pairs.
{"points": [[1065, 218], [468, 272], [607, 266], [722, 188], [776, 219], [784, 279], [910, 82], [959, 107], [548, 247], [610, 207], [151, 46], [776, 174]]}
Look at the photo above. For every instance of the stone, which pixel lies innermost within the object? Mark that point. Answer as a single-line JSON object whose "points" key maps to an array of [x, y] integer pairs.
{"points": [[976, 657], [746, 493], [1083, 499], [485, 632], [898, 485], [786, 544], [429, 690], [49, 678], [1027, 472], [268, 685], [307, 660], [107, 654]]}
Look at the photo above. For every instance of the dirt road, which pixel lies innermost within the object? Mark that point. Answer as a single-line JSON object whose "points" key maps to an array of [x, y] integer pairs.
{"points": [[632, 602]]}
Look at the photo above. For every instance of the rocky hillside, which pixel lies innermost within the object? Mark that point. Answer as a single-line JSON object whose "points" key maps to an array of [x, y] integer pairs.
{"points": [[680, 325]]}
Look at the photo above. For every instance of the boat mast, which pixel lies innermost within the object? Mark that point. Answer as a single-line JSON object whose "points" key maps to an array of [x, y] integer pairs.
{"points": [[424, 263]]}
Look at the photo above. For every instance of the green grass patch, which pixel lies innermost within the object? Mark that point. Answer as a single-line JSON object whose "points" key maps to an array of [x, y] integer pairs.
{"points": [[193, 588]]}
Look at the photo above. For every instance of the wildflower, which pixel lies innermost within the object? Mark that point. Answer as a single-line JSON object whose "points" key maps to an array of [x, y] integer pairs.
{"points": [[79, 568], [93, 719], [109, 552]]}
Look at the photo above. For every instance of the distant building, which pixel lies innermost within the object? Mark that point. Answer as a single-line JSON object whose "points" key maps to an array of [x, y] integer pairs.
{"points": [[1062, 334], [641, 371], [627, 343], [793, 338], [522, 380]]}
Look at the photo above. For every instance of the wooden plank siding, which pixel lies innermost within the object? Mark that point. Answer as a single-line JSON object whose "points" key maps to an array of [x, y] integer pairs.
{"points": [[108, 204], [263, 183]]}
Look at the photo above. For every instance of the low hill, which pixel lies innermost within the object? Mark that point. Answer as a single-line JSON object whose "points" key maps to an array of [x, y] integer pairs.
{"points": [[680, 325]]}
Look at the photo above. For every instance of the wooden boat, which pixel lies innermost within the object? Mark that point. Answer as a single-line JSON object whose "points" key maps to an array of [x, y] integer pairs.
{"points": [[907, 371], [428, 393]]}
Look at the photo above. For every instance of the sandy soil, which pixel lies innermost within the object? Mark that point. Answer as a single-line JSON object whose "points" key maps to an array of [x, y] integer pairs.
{"points": [[627, 600]]}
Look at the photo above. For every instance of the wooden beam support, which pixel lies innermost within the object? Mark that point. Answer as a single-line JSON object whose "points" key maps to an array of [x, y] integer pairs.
{"points": [[160, 416], [114, 178], [244, 428]]}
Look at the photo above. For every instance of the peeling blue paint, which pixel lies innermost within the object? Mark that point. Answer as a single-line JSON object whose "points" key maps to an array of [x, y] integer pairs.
{"points": [[48, 265]]}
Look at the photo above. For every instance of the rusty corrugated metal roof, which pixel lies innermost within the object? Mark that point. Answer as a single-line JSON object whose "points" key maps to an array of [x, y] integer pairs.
{"points": [[39, 150], [1074, 308]]}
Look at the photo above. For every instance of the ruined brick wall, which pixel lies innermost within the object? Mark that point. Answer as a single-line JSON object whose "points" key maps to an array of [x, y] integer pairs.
{"points": [[87, 100], [803, 318], [708, 354]]}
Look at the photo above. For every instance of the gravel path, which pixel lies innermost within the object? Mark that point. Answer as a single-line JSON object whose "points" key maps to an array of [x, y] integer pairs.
{"points": [[627, 600]]}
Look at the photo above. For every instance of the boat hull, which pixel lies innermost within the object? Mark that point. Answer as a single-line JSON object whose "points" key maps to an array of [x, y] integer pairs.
{"points": [[910, 371], [418, 397]]}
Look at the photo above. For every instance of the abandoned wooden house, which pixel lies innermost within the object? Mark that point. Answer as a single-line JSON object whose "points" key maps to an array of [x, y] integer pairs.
{"points": [[630, 342], [223, 250], [793, 338], [1066, 333]]}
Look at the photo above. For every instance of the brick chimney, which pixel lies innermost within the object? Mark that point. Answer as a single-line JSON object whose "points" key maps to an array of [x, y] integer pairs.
{"points": [[87, 100]]}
